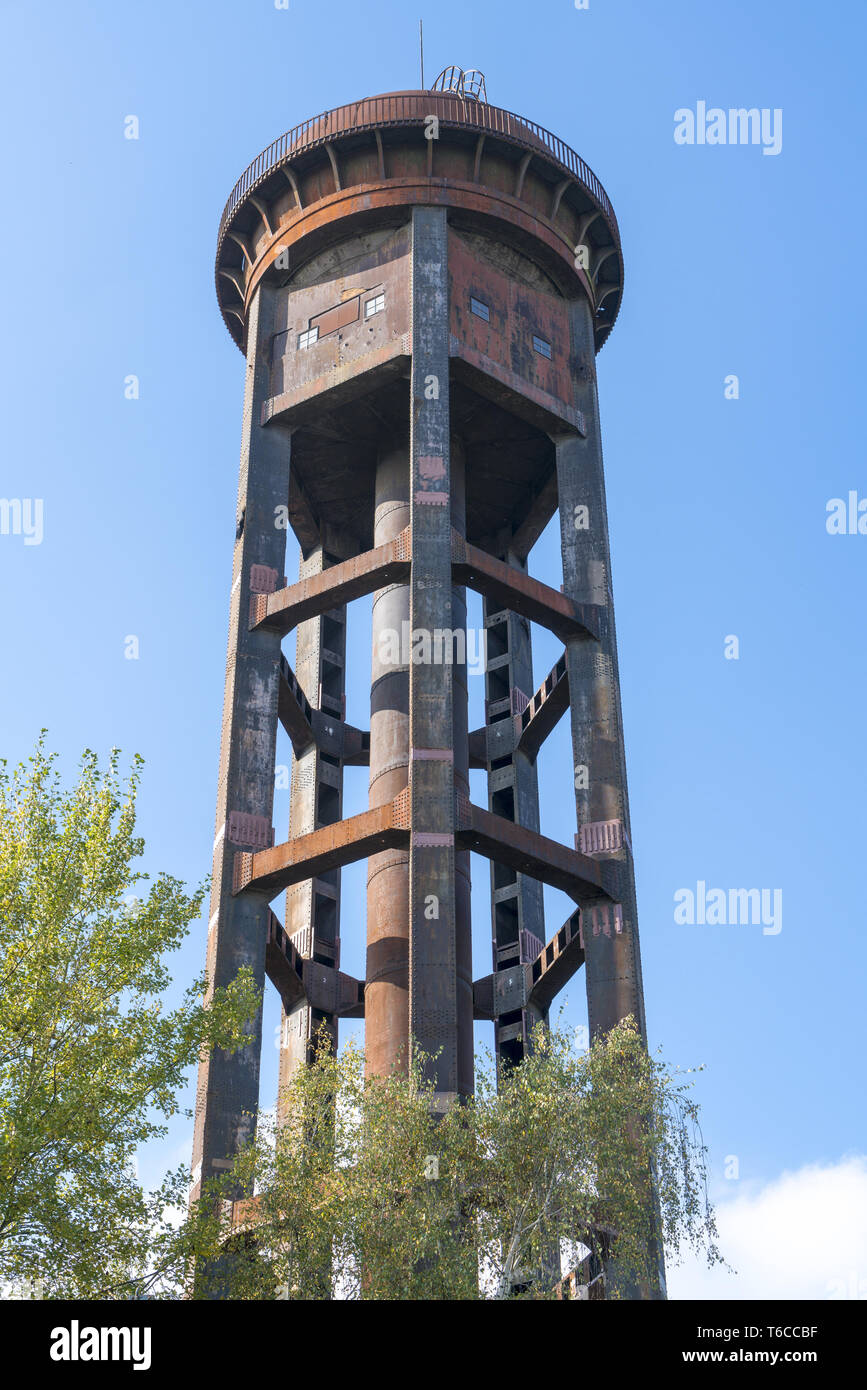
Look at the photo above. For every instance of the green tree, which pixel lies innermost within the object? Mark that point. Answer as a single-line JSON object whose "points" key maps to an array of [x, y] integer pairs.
{"points": [[567, 1144], [358, 1190], [91, 1062], [367, 1180]]}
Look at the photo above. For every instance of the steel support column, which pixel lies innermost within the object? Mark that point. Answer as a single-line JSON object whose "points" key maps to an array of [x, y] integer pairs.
{"points": [[612, 957], [517, 908], [613, 964], [228, 1088], [440, 969], [313, 906]]}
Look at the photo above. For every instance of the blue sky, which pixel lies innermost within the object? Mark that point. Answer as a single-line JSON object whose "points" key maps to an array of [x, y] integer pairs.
{"points": [[743, 773]]}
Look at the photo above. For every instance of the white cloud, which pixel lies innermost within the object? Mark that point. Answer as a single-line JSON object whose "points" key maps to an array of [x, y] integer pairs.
{"points": [[802, 1235]]}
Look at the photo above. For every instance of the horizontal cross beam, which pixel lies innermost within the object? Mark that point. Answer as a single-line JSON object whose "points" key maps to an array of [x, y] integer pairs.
{"points": [[511, 588], [330, 847], [499, 839], [332, 587], [390, 564], [387, 827]]}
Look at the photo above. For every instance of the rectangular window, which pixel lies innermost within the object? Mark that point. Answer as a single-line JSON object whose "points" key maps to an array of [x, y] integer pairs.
{"points": [[374, 306], [308, 337], [480, 310], [542, 346], [337, 317]]}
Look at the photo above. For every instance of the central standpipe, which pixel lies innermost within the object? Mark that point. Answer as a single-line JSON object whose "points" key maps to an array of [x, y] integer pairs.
{"points": [[386, 997], [397, 648]]}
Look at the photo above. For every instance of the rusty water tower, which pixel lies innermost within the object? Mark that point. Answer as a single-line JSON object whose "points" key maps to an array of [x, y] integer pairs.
{"points": [[420, 283]]}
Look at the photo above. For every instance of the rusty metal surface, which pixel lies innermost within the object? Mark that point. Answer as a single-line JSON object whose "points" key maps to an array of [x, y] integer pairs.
{"points": [[546, 707], [500, 347], [602, 837], [387, 993], [307, 856], [335, 298], [255, 831], [440, 967], [512, 588], [306, 726], [478, 746], [371, 206], [285, 609], [294, 709], [496, 838], [556, 963], [284, 965], [325, 171], [412, 494], [534, 983], [408, 109], [228, 1083]]}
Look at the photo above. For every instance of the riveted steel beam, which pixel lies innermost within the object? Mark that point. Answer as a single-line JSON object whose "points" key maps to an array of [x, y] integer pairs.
{"points": [[332, 846], [294, 709], [478, 748], [284, 965], [584, 879], [339, 584], [306, 726], [228, 1085], [535, 983], [511, 588], [556, 963], [547, 706], [440, 947], [517, 901], [298, 979]]}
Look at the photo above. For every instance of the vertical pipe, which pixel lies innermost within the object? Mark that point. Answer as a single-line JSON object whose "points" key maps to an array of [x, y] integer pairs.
{"points": [[386, 999]]}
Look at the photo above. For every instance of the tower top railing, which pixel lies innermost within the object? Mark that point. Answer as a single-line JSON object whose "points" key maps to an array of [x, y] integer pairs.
{"points": [[413, 108]]}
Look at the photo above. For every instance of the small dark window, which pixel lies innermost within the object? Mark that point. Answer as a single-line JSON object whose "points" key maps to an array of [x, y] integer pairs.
{"points": [[480, 310], [542, 346]]}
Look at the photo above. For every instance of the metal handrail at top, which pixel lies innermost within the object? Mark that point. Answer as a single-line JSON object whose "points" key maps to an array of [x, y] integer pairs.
{"points": [[403, 109]]}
